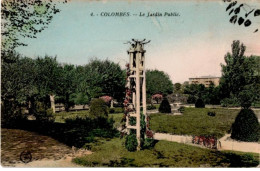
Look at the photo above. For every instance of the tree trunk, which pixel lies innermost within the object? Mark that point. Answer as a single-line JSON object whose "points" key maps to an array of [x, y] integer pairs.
{"points": [[112, 104], [52, 100], [67, 105]]}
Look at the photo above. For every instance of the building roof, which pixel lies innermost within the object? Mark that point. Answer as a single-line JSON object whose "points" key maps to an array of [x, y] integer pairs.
{"points": [[203, 77]]}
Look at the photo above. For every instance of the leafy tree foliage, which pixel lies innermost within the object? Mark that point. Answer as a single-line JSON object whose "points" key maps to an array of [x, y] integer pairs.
{"points": [[20, 79], [49, 75], [68, 85], [177, 87], [158, 82], [238, 79], [24, 19], [26, 81], [210, 95], [104, 78]]}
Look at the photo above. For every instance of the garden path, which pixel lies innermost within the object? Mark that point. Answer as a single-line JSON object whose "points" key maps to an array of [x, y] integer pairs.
{"points": [[45, 151], [229, 144], [226, 143]]}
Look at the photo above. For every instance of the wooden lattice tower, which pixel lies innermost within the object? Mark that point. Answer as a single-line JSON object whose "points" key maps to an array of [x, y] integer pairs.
{"points": [[136, 87]]}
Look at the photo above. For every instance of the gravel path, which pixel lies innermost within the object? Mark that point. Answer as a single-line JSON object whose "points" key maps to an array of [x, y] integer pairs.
{"points": [[226, 142], [229, 144], [45, 151]]}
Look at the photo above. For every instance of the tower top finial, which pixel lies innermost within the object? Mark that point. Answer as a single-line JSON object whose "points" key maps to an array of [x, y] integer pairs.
{"points": [[137, 44]]}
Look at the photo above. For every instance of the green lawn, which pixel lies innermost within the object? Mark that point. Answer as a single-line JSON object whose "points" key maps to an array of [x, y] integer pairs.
{"points": [[61, 116], [195, 121], [111, 153], [157, 106], [117, 118]]}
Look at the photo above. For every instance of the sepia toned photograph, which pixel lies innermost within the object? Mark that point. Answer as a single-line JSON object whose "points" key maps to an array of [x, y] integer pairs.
{"points": [[130, 84]]}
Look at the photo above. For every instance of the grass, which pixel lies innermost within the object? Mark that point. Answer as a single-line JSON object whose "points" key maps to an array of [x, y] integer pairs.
{"points": [[157, 106], [164, 154], [117, 118], [195, 121], [116, 110], [62, 116]]}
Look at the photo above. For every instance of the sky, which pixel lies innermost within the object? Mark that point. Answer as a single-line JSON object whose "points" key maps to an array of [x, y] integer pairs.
{"points": [[189, 45]]}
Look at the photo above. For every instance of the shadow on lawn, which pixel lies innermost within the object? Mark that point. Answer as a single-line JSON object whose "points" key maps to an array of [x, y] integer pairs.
{"points": [[74, 132]]}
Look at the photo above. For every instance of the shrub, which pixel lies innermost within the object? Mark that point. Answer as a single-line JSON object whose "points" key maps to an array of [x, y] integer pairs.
{"points": [[181, 109], [191, 99], [200, 104], [165, 106], [149, 143], [98, 109], [230, 102], [112, 110], [131, 142], [151, 107], [211, 113], [132, 121], [243, 160], [42, 114], [246, 126], [11, 115]]}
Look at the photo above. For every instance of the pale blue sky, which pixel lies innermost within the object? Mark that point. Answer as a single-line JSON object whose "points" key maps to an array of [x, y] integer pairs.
{"points": [[193, 44]]}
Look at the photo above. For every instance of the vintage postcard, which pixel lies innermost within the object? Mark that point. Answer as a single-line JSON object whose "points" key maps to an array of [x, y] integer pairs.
{"points": [[149, 83]]}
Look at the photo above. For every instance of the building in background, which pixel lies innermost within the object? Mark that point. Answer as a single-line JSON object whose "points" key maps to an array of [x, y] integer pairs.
{"points": [[205, 80]]}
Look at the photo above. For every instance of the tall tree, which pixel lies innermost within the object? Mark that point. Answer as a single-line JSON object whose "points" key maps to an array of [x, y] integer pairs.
{"points": [[18, 79], [68, 85], [238, 81], [158, 82], [104, 78]]}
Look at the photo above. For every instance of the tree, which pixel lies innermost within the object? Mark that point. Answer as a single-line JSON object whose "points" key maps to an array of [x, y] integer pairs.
{"points": [[104, 78], [17, 76], [238, 81], [158, 82], [24, 19], [68, 86], [20, 19], [177, 87], [254, 64], [210, 95]]}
